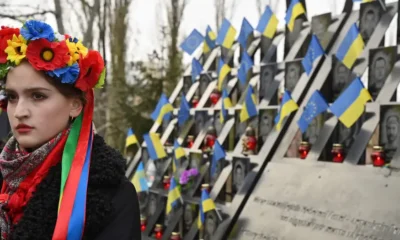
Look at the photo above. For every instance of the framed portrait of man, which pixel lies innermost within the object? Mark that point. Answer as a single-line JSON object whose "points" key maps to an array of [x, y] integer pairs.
{"points": [[314, 128], [205, 79], [267, 76], [190, 214], [240, 127], [341, 77], [370, 14], [241, 166], [265, 124], [155, 201], [346, 136], [381, 62], [319, 27], [293, 72], [201, 118], [211, 223], [187, 83], [217, 121], [389, 130], [291, 37]]}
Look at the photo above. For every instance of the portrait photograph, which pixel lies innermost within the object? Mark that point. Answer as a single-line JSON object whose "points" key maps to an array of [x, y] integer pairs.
{"points": [[201, 117], [217, 121], [204, 80], [241, 166], [190, 214], [154, 201], [381, 62], [211, 223], [347, 136], [291, 37], [370, 14], [267, 76], [187, 83], [240, 127], [389, 130], [265, 123], [319, 27], [341, 77], [314, 128], [293, 71]]}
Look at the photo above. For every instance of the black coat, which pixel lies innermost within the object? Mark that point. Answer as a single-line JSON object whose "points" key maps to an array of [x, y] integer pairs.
{"points": [[112, 209]]}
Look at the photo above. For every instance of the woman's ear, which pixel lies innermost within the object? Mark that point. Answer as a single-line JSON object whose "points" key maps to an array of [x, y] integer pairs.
{"points": [[76, 107]]}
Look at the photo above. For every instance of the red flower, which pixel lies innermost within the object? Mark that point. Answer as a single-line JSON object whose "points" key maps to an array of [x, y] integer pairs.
{"points": [[48, 56], [90, 70], [6, 33]]}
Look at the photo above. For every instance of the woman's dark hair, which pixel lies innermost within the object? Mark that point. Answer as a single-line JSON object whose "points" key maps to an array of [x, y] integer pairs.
{"points": [[68, 90]]}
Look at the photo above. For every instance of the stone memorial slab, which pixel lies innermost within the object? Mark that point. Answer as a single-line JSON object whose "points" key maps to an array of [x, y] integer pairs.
{"points": [[267, 76], [240, 127], [341, 77], [265, 123], [328, 201], [293, 71]]}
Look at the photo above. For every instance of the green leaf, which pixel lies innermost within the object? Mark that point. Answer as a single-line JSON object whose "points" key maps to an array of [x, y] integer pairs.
{"points": [[102, 78]]}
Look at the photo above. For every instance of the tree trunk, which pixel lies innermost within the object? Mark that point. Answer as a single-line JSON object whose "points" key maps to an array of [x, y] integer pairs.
{"points": [[59, 16]]}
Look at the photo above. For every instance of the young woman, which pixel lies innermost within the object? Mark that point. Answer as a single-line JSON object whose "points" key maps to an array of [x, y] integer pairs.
{"points": [[60, 180]]}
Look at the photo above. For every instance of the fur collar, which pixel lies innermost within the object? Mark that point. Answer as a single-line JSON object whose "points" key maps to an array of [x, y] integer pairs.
{"points": [[107, 170]]}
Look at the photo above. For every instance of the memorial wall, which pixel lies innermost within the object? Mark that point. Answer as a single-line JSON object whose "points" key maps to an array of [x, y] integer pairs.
{"points": [[305, 148]]}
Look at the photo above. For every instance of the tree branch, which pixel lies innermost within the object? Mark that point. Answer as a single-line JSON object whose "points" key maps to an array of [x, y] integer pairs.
{"points": [[28, 15]]}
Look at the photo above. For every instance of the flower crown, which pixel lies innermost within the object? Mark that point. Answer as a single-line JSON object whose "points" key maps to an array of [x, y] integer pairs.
{"points": [[59, 56]]}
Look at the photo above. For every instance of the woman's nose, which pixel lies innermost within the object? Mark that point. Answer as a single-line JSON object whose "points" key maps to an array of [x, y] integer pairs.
{"points": [[21, 110]]}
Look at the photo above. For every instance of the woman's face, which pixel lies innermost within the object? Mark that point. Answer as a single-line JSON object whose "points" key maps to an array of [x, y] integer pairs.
{"points": [[37, 111]]}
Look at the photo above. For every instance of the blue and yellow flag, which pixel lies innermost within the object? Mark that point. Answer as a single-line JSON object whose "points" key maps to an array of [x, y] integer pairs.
{"points": [[209, 41], [219, 153], [351, 47], [288, 105], [173, 196], [179, 152], [246, 64], [139, 179], [226, 103], [245, 32], [223, 71], [197, 68], [226, 35], [192, 42], [249, 108], [295, 9], [184, 111], [315, 106], [206, 205], [314, 51], [130, 138], [162, 109], [154, 147], [363, 1], [350, 105], [268, 23]]}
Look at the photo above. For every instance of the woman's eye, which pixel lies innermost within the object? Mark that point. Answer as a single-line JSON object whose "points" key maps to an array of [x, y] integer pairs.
{"points": [[11, 97], [38, 96]]}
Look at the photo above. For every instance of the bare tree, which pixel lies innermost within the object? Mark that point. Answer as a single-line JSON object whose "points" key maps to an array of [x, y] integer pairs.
{"points": [[224, 9]]}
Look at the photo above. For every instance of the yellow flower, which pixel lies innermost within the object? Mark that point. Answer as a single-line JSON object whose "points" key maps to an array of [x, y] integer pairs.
{"points": [[16, 50], [75, 50]]}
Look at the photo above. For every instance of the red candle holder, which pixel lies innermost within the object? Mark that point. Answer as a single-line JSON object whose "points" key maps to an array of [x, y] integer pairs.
{"points": [[166, 182], [158, 231], [378, 156], [214, 97], [337, 153], [190, 141], [251, 143], [195, 101], [143, 222], [205, 186], [210, 140], [175, 236], [304, 149]]}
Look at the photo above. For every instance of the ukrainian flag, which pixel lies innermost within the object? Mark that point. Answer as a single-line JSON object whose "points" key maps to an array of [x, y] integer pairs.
{"points": [[351, 103], [226, 103], [223, 71], [206, 205], [154, 146], [363, 1], [295, 9], [209, 40], [268, 23], [226, 35], [173, 196], [130, 138], [351, 47], [245, 31], [139, 179], [179, 152], [288, 105], [249, 107], [163, 107]]}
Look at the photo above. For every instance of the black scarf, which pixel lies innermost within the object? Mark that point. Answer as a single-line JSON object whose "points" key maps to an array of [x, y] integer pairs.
{"points": [[107, 171]]}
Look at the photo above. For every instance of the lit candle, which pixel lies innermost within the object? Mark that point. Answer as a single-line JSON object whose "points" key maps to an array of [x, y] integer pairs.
{"points": [[143, 223], [337, 153], [175, 236], [304, 149], [378, 156], [205, 186], [166, 182], [214, 96], [158, 231]]}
